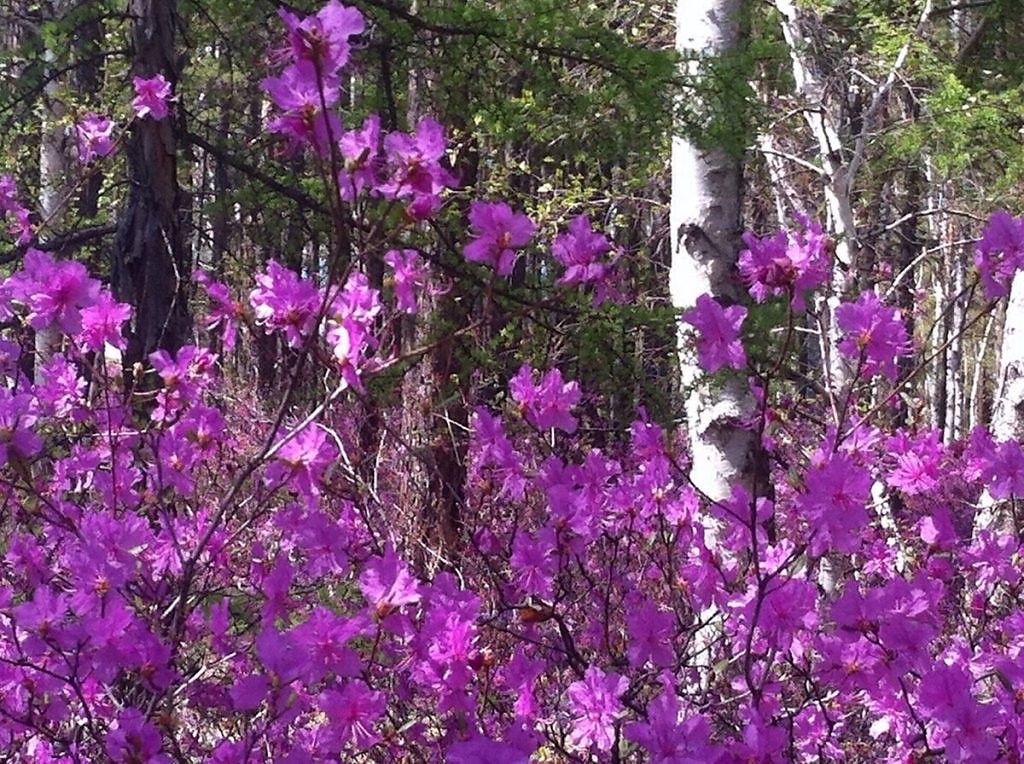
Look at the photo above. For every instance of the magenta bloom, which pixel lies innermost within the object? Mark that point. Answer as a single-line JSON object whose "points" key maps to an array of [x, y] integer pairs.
{"points": [[323, 39], [546, 405], [387, 584], [151, 96], [578, 250], [55, 292], [499, 232], [352, 713], [134, 740], [94, 137], [303, 460], [1000, 253], [302, 93], [874, 333], [17, 417], [596, 705], [719, 342], [102, 321], [669, 740], [284, 302], [651, 631], [414, 168], [409, 277], [835, 504], [789, 262], [360, 148]]}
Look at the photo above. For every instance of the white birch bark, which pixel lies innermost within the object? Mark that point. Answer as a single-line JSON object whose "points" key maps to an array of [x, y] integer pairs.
{"points": [[705, 223], [1008, 417], [55, 146], [840, 154]]}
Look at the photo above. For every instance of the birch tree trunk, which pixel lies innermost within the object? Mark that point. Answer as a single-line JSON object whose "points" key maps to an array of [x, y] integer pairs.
{"points": [[706, 228], [1008, 417], [54, 167]]}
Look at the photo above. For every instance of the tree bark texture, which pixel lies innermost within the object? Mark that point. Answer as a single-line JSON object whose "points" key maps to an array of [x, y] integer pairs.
{"points": [[150, 268], [707, 187]]}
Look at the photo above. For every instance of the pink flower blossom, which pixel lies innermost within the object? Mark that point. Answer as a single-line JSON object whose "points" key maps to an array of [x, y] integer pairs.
{"points": [[284, 302], [414, 170], [499, 233], [791, 262], [352, 713], [17, 418], [594, 701], [387, 584], [54, 291], [874, 334], [305, 95], [102, 321], [151, 97], [363, 163], [409, 277], [835, 504], [667, 738], [133, 740], [323, 38], [546, 405], [1000, 253], [718, 343], [303, 460], [94, 137]]}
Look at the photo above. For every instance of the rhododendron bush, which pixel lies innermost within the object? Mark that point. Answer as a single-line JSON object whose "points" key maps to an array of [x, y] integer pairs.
{"points": [[187, 579]]}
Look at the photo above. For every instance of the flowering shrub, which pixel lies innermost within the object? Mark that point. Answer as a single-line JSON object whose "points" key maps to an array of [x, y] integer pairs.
{"points": [[185, 579]]}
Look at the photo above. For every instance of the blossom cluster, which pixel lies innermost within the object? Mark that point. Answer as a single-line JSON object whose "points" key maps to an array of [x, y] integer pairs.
{"points": [[188, 577]]}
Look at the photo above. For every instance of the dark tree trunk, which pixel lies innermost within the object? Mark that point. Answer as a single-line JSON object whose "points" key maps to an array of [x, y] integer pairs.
{"points": [[89, 78], [150, 268]]}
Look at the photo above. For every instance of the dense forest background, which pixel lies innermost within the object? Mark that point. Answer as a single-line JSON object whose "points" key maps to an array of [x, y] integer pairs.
{"points": [[896, 124]]}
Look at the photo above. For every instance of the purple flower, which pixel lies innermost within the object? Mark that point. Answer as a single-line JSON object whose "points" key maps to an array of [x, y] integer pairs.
{"points": [[101, 323], [499, 232], [352, 713], [360, 150], [535, 563], [789, 262], [874, 333], [350, 328], [578, 250], [719, 342], [1000, 253], [300, 88], [151, 97], [546, 405], [223, 312], [302, 93], [53, 291], [480, 750], [284, 302], [303, 460], [133, 740], [595, 702], [387, 584], [651, 631], [669, 740], [17, 417], [409, 277], [94, 137], [835, 504], [323, 39], [414, 168]]}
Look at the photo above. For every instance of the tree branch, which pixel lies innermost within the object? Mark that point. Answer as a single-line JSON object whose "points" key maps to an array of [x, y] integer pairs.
{"points": [[225, 156]]}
